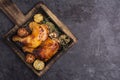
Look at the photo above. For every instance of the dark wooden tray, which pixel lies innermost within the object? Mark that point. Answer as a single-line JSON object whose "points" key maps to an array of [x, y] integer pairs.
{"points": [[11, 10]]}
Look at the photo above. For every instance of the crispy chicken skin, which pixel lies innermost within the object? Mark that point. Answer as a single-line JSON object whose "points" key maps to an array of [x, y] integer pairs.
{"points": [[38, 35], [47, 49]]}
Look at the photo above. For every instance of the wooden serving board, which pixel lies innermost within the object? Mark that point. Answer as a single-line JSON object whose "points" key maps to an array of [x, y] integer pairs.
{"points": [[18, 18]]}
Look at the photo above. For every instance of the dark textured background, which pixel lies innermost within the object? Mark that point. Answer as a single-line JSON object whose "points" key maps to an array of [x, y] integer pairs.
{"points": [[96, 56]]}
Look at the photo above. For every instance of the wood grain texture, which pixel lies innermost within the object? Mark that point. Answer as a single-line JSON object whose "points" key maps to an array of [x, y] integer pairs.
{"points": [[12, 11]]}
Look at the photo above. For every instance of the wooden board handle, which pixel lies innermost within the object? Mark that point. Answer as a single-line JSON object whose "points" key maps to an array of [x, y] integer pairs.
{"points": [[12, 11]]}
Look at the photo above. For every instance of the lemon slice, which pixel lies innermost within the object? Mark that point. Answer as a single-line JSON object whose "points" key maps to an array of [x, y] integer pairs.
{"points": [[38, 64], [38, 18]]}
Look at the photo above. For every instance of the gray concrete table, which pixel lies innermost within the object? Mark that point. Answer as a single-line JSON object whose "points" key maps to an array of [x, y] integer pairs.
{"points": [[96, 56]]}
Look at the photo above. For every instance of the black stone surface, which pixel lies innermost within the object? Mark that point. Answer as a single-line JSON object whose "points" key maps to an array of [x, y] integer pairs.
{"points": [[96, 56]]}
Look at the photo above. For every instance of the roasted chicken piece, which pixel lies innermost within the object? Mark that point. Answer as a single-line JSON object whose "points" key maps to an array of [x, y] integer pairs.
{"points": [[22, 32], [30, 58], [38, 35], [47, 49]]}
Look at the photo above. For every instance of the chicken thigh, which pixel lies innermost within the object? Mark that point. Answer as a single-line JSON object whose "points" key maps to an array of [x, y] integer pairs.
{"points": [[47, 49], [38, 35]]}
